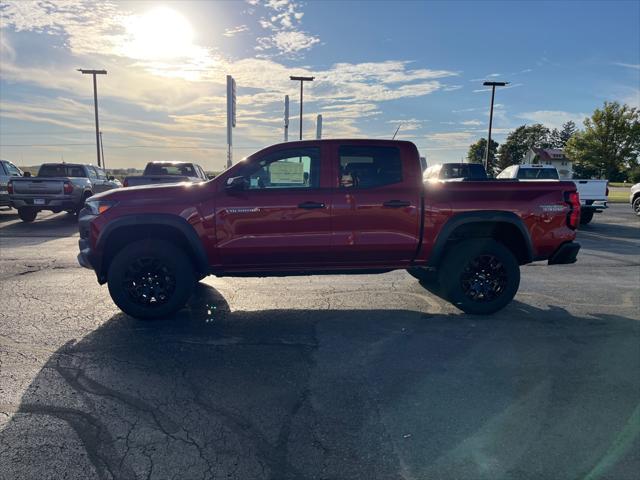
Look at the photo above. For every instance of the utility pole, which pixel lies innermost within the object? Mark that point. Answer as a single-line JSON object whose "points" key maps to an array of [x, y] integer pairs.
{"points": [[301, 80], [104, 167], [95, 105], [318, 127], [286, 118], [493, 86], [231, 117]]}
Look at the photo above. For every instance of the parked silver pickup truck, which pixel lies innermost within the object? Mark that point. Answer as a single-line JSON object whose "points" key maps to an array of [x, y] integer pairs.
{"points": [[7, 171], [167, 172], [57, 187]]}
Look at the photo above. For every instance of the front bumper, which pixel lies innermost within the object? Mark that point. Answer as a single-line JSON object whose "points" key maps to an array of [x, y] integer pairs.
{"points": [[87, 258], [566, 253]]}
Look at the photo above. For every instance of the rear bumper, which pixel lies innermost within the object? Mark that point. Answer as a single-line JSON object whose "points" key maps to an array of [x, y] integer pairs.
{"points": [[594, 206], [566, 253], [50, 203]]}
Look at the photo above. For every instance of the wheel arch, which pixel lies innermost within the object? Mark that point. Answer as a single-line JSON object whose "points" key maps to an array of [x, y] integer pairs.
{"points": [[122, 231], [505, 227]]}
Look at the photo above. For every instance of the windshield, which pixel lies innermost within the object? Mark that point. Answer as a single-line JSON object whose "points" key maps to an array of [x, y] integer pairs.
{"points": [[185, 170], [538, 174], [61, 171]]}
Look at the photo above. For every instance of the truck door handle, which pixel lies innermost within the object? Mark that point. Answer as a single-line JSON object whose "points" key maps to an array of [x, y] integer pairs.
{"points": [[396, 204], [311, 205]]}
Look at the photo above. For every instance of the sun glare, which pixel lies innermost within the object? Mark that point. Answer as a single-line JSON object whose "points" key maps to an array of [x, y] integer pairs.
{"points": [[159, 34]]}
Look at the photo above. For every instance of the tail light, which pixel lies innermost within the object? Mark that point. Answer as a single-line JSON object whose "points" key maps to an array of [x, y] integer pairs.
{"points": [[125, 183], [573, 217], [10, 187], [67, 188], [607, 192]]}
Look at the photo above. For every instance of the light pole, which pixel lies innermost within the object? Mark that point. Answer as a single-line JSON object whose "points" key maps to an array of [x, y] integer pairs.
{"points": [[493, 86], [95, 104], [301, 80]]}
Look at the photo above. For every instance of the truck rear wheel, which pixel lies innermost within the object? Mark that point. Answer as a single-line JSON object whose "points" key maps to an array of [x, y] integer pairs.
{"points": [[150, 279], [479, 276], [586, 217], [27, 214]]}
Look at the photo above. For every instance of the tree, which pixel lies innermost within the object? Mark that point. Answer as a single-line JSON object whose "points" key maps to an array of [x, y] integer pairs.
{"points": [[477, 151], [559, 138], [518, 142], [609, 146]]}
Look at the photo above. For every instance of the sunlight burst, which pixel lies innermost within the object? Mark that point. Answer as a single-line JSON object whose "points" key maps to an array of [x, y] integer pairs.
{"points": [[159, 34]]}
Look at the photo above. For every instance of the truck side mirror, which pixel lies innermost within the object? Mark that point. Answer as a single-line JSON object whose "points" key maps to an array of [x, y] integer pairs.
{"points": [[111, 178], [27, 174], [236, 183]]}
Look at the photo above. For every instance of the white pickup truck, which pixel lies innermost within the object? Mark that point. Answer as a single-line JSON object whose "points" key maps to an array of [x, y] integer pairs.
{"points": [[593, 193]]}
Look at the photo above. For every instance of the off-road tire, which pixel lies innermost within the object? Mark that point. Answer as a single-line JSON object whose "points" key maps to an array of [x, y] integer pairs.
{"points": [[27, 214], [586, 217], [174, 262], [463, 258]]}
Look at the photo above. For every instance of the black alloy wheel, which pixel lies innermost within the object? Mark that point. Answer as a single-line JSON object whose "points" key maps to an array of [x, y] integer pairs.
{"points": [[484, 279], [149, 281]]}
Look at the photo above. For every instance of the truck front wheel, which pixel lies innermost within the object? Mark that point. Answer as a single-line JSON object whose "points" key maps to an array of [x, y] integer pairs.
{"points": [[150, 279], [479, 276], [27, 214]]}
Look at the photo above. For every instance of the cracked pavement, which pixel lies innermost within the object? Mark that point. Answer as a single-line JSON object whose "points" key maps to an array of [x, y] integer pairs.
{"points": [[335, 377]]}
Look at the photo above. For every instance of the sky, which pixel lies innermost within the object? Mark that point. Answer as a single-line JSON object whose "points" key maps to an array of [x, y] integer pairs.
{"points": [[377, 65]]}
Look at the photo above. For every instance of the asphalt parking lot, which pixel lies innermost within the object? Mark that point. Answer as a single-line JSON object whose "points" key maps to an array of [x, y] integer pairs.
{"points": [[336, 377]]}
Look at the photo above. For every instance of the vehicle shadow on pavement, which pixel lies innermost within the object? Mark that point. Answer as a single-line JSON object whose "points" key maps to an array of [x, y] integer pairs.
{"points": [[42, 229], [295, 394], [618, 239]]}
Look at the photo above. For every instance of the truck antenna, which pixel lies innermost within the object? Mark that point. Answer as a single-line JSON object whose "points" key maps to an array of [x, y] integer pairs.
{"points": [[394, 135]]}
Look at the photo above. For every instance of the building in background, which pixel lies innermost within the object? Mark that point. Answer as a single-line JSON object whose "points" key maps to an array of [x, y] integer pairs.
{"points": [[551, 156]]}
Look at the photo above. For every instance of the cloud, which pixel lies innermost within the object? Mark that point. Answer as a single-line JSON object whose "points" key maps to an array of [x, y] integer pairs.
{"points": [[507, 87], [407, 125], [471, 123], [553, 118], [233, 31], [287, 42], [452, 139], [634, 66], [180, 102], [283, 19]]}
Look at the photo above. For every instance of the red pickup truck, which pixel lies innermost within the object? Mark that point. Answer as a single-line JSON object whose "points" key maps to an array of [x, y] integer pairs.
{"points": [[326, 207]]}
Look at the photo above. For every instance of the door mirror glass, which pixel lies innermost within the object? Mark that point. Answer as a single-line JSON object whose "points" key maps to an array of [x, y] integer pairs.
{"points": [[236, 183], [27, 174], [111, 178]]}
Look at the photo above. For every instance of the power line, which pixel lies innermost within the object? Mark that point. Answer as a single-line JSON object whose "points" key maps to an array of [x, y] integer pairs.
{"points": [[35, 145]]}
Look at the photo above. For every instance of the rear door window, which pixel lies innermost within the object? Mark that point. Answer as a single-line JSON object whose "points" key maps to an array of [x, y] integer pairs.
{"points": [[369, 167]]}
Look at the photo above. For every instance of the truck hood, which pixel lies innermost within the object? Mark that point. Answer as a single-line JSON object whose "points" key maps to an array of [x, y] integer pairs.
{"points": [[166, 192]]}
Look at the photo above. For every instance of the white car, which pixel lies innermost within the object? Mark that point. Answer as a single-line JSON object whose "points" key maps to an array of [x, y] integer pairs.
{"points": [[593, 193], [634, 198]]}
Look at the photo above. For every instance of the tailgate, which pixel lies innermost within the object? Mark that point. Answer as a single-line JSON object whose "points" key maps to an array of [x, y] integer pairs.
{"points": [[35, 186], [592, 190]]}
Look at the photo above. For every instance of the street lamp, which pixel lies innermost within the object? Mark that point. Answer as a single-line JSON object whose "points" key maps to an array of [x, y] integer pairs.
{"points": [[493, 86], [301, 80], [95, 104]]}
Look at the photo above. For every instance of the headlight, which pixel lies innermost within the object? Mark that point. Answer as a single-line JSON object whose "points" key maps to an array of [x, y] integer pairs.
{"points": [[96, 207]]}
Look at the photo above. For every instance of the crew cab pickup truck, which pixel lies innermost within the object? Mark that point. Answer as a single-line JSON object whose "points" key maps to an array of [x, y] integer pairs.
{"points": [[455, 171], [57, 187], [7, 171], [593, 193], [326, 207], [167, 172]]}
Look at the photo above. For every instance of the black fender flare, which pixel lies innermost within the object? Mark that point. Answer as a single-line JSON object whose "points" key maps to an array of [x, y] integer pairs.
{"points": [[485, 216], [157, 219]]}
